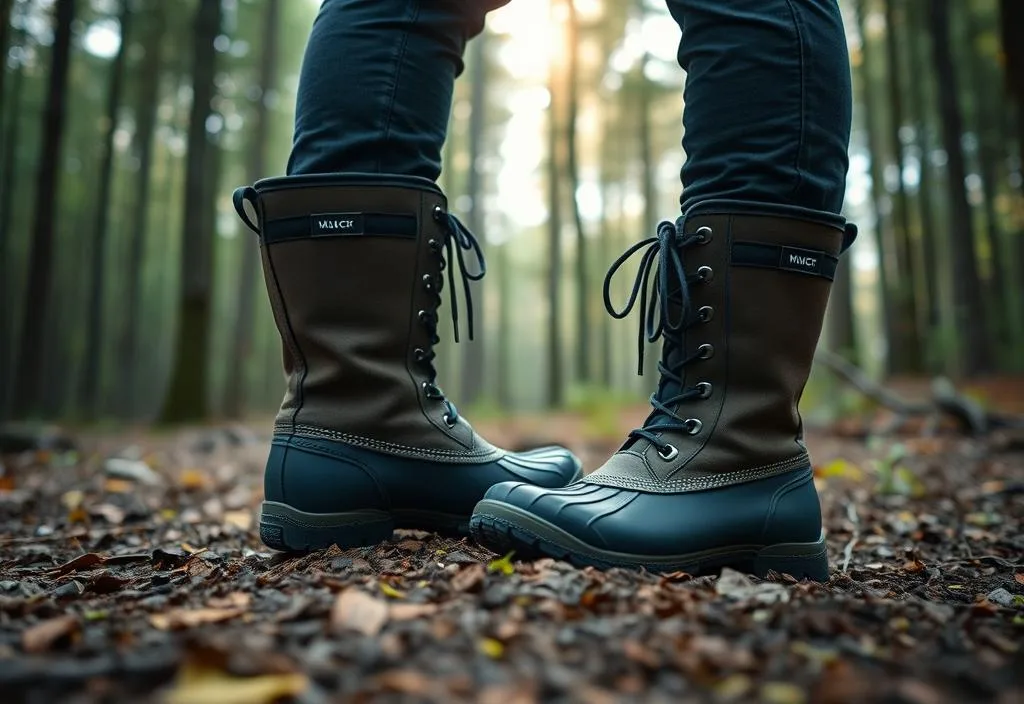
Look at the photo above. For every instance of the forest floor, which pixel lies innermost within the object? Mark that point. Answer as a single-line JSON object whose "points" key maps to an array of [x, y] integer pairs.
{"points": [[130, 569]]}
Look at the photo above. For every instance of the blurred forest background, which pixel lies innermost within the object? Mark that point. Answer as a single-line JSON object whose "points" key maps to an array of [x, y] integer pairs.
{"points": [[127, 123]]}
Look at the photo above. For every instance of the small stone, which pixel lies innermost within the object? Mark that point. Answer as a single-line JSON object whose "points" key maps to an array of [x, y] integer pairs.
{"points": [[1000, 596]]}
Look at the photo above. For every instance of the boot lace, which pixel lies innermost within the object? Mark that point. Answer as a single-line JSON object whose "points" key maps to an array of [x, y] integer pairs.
{"points": [[451, 252], [671, 282]]}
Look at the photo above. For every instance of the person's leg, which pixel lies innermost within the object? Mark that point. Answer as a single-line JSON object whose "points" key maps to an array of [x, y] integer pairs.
{"points": [[376, 85], [357, 243], [718, 474]]}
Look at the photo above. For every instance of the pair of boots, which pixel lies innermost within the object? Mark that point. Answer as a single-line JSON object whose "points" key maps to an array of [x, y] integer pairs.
{"points": [[366, 441]]}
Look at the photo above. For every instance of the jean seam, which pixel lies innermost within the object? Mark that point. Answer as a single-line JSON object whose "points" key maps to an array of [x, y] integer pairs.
{"points": [[800, 39], [399, 63]]}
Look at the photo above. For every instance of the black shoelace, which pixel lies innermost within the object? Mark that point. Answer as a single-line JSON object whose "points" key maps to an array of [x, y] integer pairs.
{"points": [[456, 242], [667, 247]]}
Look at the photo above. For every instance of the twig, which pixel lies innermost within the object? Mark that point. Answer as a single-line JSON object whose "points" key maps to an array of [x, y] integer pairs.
{"points": [[851, 514]]}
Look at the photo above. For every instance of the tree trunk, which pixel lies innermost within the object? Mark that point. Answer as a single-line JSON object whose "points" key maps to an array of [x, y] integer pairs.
{"points": [[187, 397], [582, 342], [473, 350], [931, 235], [37, 299], [1012, 24], [503, 368], [976, 350], [887, 271], [100, 236], [145, 128], [7, 191], [989, 154], [906, 281], [5, 27], [242, 344], [841, 335], [554, 344]]}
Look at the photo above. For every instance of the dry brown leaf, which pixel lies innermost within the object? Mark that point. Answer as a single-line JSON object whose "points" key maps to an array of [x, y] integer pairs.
{"points": [[1019, 577], [404, 681], [356, 610], [468, 578], [914, 566], [408, 612], [238, 600], [42, 636], [82, 562], [202, 685], [118, 486], [190, 618]]}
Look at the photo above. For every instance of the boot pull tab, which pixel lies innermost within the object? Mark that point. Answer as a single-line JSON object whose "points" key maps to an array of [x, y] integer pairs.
{"points": [[241, 196], [849, 235]]}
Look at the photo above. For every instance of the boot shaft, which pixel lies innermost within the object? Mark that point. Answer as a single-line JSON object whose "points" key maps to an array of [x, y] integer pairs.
{"points": [[757, 293], [353, 267]]}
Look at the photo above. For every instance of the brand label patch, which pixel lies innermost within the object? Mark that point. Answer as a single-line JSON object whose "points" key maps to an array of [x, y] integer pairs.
{"points": [[324, 224], [805, 260]]}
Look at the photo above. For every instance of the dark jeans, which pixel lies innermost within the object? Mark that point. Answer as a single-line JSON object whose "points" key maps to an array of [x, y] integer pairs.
{"points": [[768, 96]]}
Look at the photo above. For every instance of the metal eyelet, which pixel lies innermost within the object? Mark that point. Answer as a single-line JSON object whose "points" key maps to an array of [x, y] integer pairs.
{"points": [[705, 389], [668, 453], [435, 245], [438, 213], [704, 234], [706, 351], [448, 421], [424, 316], [693, 426], [419, 353], [706, 273], [705, 313], [428, 282]]}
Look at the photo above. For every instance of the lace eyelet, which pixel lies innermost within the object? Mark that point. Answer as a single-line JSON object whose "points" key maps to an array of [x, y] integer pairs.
{"points": [[705, 234], [668, 452], [706, 351], [705, 313], [448, 420], [693, 426], [435, 245], [428, 282], [438, 213], [705, 389], [706, 273], [419, 353], [424, 316]]}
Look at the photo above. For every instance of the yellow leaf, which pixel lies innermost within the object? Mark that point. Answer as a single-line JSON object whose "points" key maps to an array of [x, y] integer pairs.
{"points": [[782, 693], [192, 479], [78, 515], [168, 514], [491, 648], [73, 499], [199, 685], [502, 564], [239, 519], [840, 468], [391, 591], [733, 687]]}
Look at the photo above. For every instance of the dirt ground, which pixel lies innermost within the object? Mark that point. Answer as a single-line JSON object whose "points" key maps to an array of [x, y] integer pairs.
{"points": [[131, 570]]}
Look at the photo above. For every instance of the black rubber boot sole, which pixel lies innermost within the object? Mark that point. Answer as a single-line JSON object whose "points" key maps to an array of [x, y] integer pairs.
{"points": [[506, 528], [288, 529]]}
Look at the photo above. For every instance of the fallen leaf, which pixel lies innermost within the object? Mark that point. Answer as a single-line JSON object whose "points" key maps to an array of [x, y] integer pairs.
{"points": [[40, 638], [391, 591], [410, 545], [737, 585], [192, 480], [404, 681], [202, 685], [82, 562], [118, 486], [468, 578], [782, 693], [502, 564], [841, 468], [190, 618], [491, 648], [72, 499], [1019, 577], [239, 519], [356, 610], [408, 612], [913, 566], [238, 600]]}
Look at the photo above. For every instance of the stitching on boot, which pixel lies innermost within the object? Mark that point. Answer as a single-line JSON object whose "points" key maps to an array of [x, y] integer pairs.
{"points": [[394, 448], [713, 481]]}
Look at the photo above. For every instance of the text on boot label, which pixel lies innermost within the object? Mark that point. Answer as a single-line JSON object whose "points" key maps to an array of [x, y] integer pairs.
{"points": [[804, 260], [336, 224]]}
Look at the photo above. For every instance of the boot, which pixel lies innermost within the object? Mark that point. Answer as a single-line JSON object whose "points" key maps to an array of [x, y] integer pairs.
{"points": [[718, 475], [365, 440]]}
